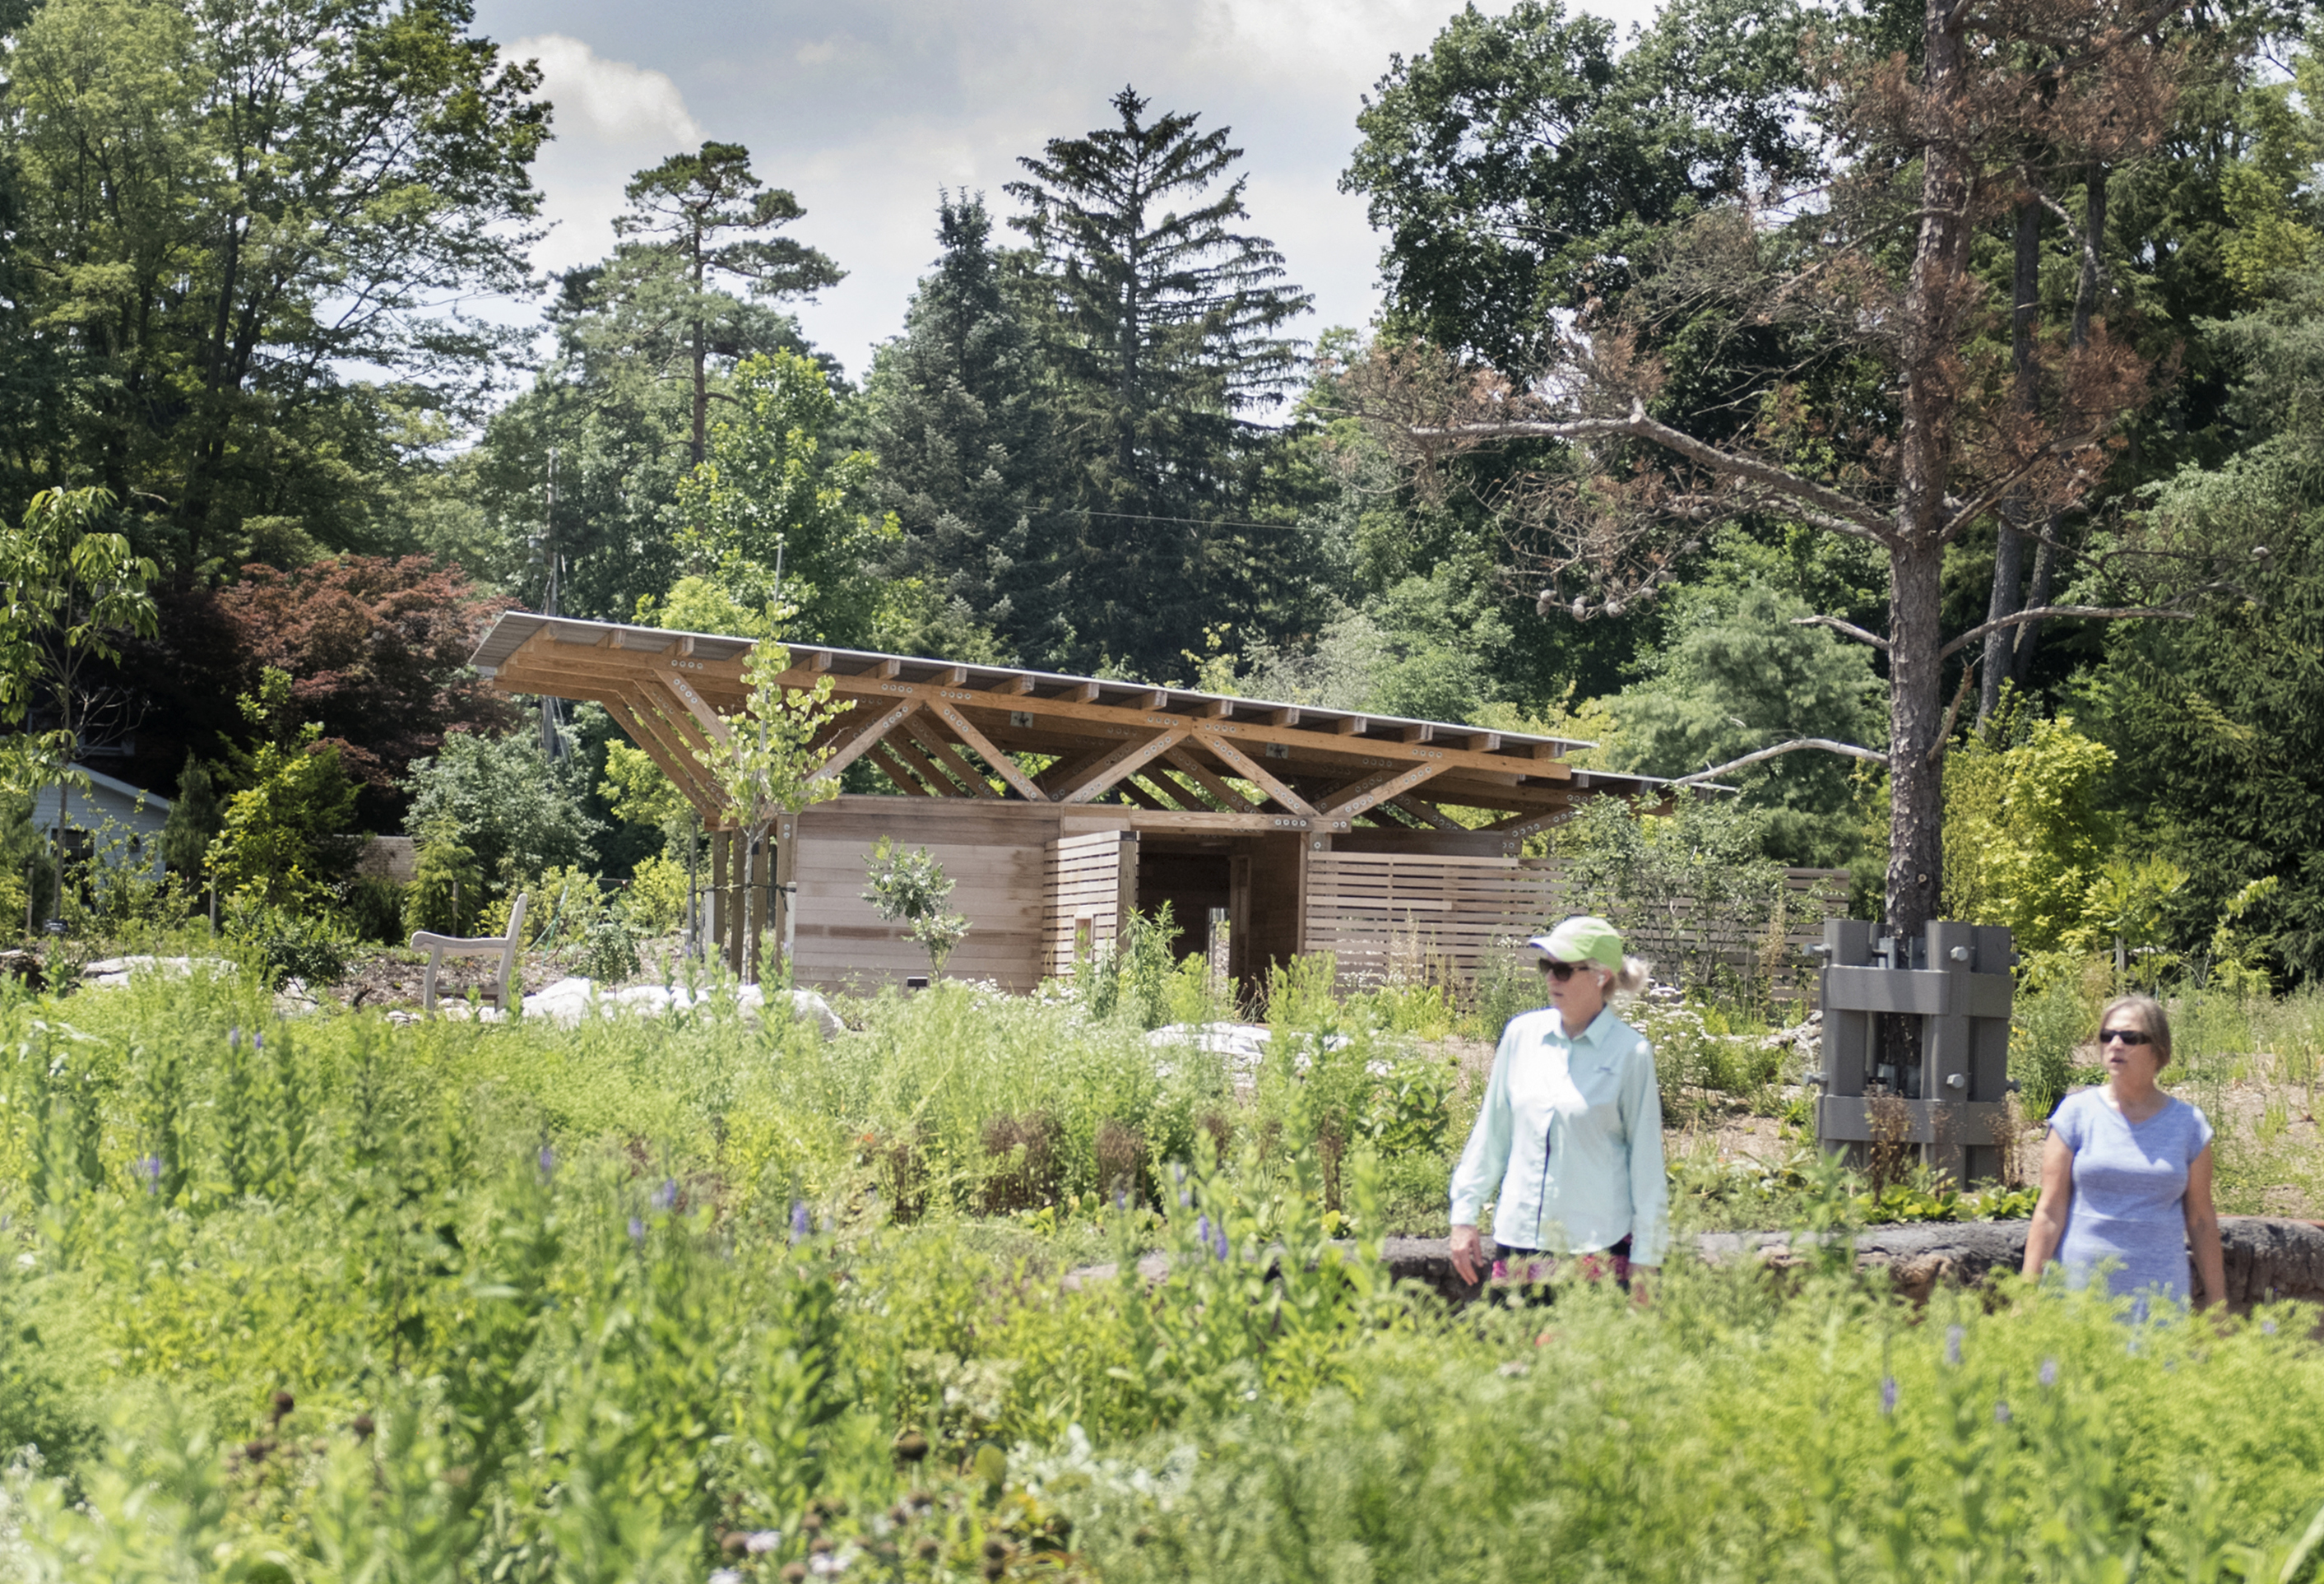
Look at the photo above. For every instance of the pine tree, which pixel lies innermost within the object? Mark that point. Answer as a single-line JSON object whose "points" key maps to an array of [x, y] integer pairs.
{"points": [[966, 454], [1163, 326], [693, 220], [195, 820]]}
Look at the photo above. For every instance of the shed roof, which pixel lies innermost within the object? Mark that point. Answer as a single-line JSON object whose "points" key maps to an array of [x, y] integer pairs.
{"points": [[952, 729]]}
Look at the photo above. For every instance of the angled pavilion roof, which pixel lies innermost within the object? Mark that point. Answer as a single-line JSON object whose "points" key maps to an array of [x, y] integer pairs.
{"points": [[942, 729]]}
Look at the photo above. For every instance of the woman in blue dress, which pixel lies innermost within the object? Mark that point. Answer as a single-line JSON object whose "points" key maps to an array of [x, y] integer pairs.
{"points": [[2126, 1174]]}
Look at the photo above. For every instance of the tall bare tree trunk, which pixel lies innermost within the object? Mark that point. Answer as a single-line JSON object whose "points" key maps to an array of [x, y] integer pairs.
{"points": [[2009, 554], [1925, 452]]}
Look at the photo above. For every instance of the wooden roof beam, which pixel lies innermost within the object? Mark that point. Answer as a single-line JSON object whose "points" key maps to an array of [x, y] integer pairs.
{"points": [[892, 766], [1214, 785], [1426, 812], [1181, 787], [869, 730], [1131, 787], [1128, 759], [1380, 785], [992, 755], [900, 743], [919, 726], [1223, 749]]}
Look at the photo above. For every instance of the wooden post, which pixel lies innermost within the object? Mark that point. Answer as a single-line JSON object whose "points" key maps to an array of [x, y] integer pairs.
{"points": [[784, 903], [720, 841]]}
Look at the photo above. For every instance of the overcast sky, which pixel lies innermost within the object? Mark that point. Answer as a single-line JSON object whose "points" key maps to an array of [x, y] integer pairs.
{"points": [[864, 110]]}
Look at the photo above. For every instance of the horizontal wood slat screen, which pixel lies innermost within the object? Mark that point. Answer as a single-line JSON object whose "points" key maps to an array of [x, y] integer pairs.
{"points": [[1082, 881], [1409, 916]]}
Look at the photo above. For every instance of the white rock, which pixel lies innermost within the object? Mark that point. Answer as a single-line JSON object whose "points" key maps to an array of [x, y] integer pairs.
{"points": [[568, 1000]]}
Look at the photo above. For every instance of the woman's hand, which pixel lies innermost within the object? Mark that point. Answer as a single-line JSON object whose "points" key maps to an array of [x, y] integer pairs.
{"points": [[2048, 1227], [1467, 1254]]}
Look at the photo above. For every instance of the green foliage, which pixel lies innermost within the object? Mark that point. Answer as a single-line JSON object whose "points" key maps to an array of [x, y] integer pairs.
{"points": [[284, 836], [70, 591], [190, 188], [1742, 675], [517, 812], [195, 820], [1164, 325], [448, 892], [2028, 833], [2048, 1021], [766, 490], [289, 943], [967, 457], [1522, 161], [913, 887], [655, 902], [1683, 889]]}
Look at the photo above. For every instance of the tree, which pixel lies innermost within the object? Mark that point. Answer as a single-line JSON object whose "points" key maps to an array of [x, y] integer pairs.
{"points": [[377, 651], [694, 220], [967, 457], [71, 593], [516, 811], [1516, 164], [285, 834], [194, 822], [913, 888], [1164, 328], [1913, 440], [1741, 672], [772, 518], [763, 760], [224, 208]]}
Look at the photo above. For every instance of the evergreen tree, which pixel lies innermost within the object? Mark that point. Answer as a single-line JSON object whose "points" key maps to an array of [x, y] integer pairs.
{"points": [[694, 220], [195, 820], [1164, 326], [965, 447]]}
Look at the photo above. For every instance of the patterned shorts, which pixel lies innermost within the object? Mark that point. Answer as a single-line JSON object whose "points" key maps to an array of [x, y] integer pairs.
{"points": [[1530, 1267]]}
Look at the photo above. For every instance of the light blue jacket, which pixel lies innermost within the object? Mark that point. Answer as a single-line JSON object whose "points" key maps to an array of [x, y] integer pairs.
{"points": [[1569, 1142]]}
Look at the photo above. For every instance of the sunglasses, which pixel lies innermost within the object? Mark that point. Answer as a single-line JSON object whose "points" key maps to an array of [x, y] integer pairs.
{"points": [[1560, 971], [2131, 1037]]}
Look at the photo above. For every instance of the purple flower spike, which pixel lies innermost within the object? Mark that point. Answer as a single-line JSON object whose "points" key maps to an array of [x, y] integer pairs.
{"points": [[257, 1040], [760, 1542], [2001, 1412], [1186, 1200], [2049, 1372], [1121, 1199], [149, 1167], [233, 1038], [1219, 1244], [1953, 1335], [1203, 1230], [1887, 1396], [2267, 1327], [637, 1231], [799, 1224], [667, 1194], [1177, 1171], [548, 1159]]}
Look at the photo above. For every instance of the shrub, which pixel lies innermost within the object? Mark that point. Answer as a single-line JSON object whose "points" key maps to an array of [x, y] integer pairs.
{"points": [[374, 909], [312, 948], [655, 902]]}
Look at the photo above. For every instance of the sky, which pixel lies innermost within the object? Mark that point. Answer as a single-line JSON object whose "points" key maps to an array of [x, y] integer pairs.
{"points": [[865, 109]]}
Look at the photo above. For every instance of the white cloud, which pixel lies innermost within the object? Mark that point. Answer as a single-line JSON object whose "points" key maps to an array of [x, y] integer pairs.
{"points": [[612, 120]]}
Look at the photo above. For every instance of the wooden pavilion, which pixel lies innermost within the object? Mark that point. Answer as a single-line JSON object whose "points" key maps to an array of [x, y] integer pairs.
{"points": [[1060, 803]]}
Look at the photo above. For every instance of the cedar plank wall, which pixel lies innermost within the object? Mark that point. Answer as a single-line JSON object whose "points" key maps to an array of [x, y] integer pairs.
{"points": [[996, 856], [1083, 879], [1278, 905]]}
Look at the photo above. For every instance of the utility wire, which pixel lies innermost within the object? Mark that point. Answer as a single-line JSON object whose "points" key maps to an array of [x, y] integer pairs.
{"points": [[1197, 522]]}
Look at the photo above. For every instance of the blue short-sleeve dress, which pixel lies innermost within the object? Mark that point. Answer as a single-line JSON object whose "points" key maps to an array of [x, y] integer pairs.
{"points": [[2130, 1194]]}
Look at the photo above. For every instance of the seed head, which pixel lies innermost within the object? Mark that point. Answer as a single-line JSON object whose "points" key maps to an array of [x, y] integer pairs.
{"points": [[911, 1446], [283, 1403]]}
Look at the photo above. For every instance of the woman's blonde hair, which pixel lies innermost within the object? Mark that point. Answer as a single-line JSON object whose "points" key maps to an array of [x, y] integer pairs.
{"points": [[2151, 1017], [1633, 977]]}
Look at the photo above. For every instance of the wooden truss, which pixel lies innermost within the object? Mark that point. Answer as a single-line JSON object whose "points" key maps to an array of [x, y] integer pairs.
{"points": [[935, 728]]}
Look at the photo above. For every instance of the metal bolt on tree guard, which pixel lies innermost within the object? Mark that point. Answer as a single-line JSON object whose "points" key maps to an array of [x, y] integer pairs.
{"points": [[1917, 1055]]}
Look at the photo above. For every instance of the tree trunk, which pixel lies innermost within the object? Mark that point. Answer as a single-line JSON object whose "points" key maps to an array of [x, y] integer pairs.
{"points": [[2009, 554], [2085, 302], [1933, 304]]}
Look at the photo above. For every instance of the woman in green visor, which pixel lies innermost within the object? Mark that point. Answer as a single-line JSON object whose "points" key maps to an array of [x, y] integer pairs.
{"points": [[1568, 1145]]}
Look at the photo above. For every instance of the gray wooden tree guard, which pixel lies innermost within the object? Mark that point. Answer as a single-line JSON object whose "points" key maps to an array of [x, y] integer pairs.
{"points": [[1943, 1089]]}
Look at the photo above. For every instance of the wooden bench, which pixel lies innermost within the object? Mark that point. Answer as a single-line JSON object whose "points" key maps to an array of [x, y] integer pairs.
{"points": [[439, 947]]}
